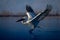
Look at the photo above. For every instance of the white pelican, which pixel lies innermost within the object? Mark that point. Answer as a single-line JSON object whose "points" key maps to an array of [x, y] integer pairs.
{"points": [[33, 18]]}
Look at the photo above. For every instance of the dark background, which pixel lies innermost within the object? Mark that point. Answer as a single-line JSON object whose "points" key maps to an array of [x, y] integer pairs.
{"points": [[11, 30]]}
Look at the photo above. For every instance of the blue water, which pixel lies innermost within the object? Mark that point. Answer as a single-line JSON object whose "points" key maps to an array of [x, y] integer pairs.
{"points": [[11, 30]]}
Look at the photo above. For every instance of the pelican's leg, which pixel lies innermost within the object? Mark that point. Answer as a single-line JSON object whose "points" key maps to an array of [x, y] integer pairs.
{"points": [[32, 28], [38, 26]]}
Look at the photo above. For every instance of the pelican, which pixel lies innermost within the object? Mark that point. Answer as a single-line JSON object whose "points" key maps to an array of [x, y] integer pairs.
{"points": [[34, 19]]}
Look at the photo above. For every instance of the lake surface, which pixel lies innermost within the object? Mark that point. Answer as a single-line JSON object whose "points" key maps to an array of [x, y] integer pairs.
{"points": [[11, 30]]}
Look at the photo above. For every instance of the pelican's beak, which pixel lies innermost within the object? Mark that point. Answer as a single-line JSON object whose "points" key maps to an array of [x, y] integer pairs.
{"points": [[20, 20]]}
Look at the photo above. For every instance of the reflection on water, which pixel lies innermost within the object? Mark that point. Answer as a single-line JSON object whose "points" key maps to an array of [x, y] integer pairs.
{"points": [[10, 30]]}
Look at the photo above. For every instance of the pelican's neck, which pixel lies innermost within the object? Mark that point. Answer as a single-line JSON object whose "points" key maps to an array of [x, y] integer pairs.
{"points": [[29, 15], [25, 22]]}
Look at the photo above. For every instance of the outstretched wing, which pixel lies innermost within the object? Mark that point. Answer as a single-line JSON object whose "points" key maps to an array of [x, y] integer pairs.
{"points": [[30, 13], [45, 13], [41, 16]]}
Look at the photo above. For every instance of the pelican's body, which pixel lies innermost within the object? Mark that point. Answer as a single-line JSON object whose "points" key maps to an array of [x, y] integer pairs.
{"points": [[33, 18]]}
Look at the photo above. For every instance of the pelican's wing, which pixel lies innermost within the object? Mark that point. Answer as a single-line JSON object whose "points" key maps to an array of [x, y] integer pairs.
{"points": [[42, 15], [45, 13], [30, 13]]}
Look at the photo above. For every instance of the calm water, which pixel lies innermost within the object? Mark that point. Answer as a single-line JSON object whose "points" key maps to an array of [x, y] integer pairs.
{"points": [[11, 30]]}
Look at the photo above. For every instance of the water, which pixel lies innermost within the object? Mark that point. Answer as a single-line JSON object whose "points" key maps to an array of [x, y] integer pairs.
{"points": [[11, 30]]}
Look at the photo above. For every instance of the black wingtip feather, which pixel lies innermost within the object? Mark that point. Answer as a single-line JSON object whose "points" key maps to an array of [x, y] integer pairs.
{"points": [[29, 9]]}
